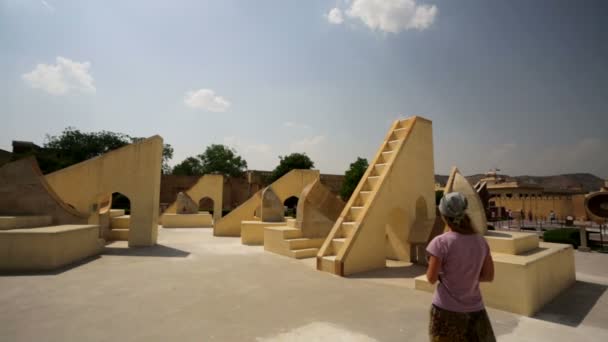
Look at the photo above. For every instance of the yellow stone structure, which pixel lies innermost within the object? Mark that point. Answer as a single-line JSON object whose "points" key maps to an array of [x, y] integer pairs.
{"points": [[16, 222], [596, 205], [528, 273], [318, 209], [47, 248], [392, 210], [290, 185], [208, 186], [476, 212], [133, 170], [38, 230]]}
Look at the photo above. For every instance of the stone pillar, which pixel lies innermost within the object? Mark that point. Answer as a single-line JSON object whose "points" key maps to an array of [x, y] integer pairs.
{"points": [[583, 247]]}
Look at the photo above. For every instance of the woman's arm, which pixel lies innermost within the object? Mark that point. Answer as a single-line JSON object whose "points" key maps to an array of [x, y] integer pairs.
{"points": [[432, 273], [487, 270]]}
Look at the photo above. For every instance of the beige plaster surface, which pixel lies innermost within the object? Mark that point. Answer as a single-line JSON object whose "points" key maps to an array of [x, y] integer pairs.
{"points": [[287, 186], [24, 191], [476, 212], [524, 283], [47, 248], [14, 222], [513, 243], [318, 209], [272, 208], [393, 207], [200, 220], [252, 232], [211, 186], [193, 286], [121, 222], [133, 170]]}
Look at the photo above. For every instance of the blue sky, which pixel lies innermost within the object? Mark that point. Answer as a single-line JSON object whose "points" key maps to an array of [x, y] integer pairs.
{"points": [[518, 85]]}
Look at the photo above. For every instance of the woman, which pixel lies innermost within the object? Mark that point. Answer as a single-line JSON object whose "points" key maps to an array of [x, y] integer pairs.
{"points": [[459, 259]]}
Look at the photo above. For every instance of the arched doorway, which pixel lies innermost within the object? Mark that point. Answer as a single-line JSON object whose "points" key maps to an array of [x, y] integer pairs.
{"points": [[291, 206], [121, 202], [120, 217], [206, 204]]}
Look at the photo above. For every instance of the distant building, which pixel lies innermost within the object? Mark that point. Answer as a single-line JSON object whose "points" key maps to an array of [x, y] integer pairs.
{"points": [[533, 200], [5, 157], [20, 147]]}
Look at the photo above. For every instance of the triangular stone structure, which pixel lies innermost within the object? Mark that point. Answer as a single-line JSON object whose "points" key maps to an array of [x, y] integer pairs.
{"points": [[392, 210]]}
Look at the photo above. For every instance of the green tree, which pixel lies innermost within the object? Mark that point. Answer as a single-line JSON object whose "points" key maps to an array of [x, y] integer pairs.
{"points": [[352, 177], [221, 159], [294, 161], [191, 166], [73, 146]]}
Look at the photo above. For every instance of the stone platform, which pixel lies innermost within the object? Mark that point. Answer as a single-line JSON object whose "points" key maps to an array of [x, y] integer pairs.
{"points": [[528, 273], [200, 220], [15, 222], [47, 248], [252, 232]]}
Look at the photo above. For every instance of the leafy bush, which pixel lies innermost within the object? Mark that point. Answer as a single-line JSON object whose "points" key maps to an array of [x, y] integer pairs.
{"points": [[352, 177], [294, 161], [569, 236]]}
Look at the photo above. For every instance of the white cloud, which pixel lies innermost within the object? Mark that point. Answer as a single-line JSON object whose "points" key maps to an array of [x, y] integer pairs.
{"points": [[306, 144], [48, 6], [291, 124], [206, 99], [259, 156], [335, 16], [247, 147], [389, 16], [61, 78]]}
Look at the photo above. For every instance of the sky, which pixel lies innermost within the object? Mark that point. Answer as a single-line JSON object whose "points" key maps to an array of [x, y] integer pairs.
{"points": [[517, 85]]}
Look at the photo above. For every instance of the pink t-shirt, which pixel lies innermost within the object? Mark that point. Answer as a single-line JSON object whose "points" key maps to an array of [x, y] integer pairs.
{"points": [[462, 257]]}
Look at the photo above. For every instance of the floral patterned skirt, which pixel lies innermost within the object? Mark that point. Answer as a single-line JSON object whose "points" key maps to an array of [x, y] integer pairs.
{"points": [[459, 326]]}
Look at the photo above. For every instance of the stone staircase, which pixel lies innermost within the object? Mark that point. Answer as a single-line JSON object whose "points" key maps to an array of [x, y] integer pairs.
{"points": [[364, 216], [290, 242], [119, 225]]}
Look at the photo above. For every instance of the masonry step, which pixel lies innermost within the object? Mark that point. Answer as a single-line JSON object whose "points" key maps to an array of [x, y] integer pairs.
{"points": [[16, 222], [120, 222], [327, 263], [386, 156], [304, 243], [117, 212], [291, 222], [337, 244], [373, 180], [118, 234], [286, 232], [380, 167], [355, 212], [348, 228], [394, 144], [364, 195], [305, 253], [400, 133]]}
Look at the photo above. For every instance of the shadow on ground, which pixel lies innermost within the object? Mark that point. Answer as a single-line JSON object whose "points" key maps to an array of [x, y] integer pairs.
{"points": [[393, 272], [50, 272], [154, 251], [573, 305]]}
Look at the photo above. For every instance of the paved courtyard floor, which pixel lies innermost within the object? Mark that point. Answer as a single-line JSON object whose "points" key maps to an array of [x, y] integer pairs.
{"points": [[196, 287]]}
